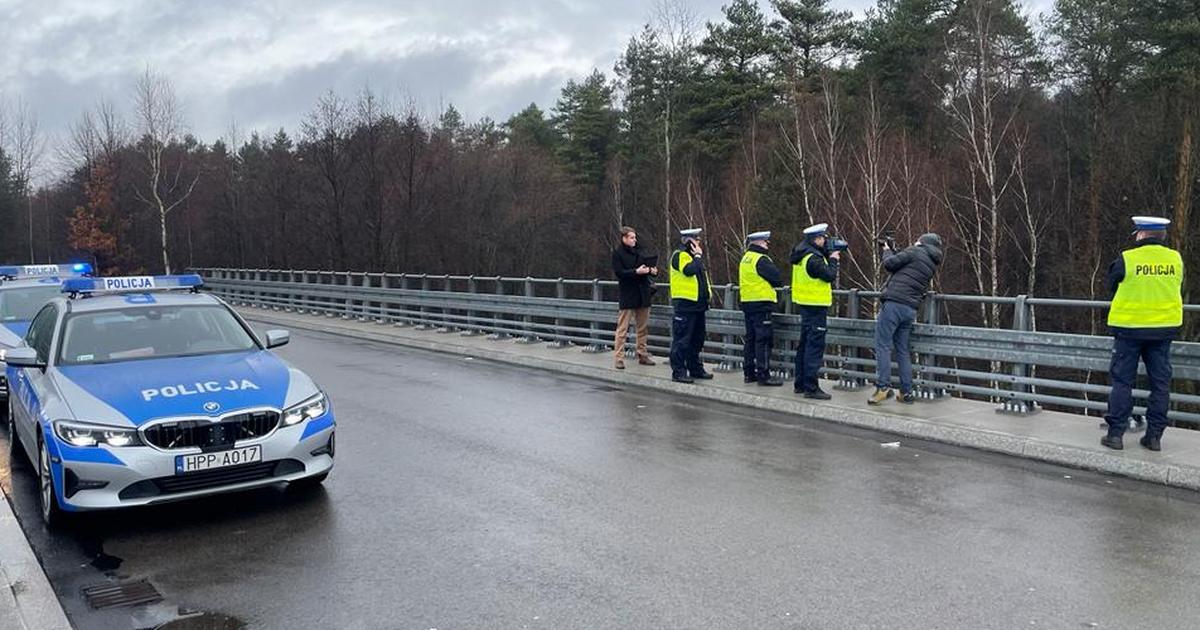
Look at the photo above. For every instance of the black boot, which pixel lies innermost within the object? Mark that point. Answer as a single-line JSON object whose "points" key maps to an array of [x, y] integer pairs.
{"points": [[1151, 443], [770, 381], [702, 376], [682, 378], [817, 394], [1113, 441]]}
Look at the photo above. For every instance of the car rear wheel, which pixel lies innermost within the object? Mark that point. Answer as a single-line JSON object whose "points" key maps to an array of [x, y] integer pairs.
{"points": [[52, 514], [16, 454]]}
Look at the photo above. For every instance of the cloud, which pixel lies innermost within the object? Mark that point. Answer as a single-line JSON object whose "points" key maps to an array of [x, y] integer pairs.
{"points": [[264, 63]]}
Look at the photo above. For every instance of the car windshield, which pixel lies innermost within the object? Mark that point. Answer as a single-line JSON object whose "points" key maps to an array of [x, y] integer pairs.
{"points": [[151, 332], [21, 304]]}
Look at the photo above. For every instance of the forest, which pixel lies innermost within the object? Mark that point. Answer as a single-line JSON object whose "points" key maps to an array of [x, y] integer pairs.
{"points": [[1026, 141]]}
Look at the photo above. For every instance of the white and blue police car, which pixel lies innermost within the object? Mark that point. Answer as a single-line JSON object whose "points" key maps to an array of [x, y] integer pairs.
{"points": [[23, 290], [138, 390]]}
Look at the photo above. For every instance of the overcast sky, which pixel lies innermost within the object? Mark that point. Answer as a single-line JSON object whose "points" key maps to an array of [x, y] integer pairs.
{"points": [[263, 63]]}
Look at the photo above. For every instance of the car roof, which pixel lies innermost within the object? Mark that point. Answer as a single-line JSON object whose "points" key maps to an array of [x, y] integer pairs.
{"points": [[25, 283], [109, 301]]}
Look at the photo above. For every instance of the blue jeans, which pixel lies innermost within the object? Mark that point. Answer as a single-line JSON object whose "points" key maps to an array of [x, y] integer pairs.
{"points": [[1156, 354], [893, 328]]}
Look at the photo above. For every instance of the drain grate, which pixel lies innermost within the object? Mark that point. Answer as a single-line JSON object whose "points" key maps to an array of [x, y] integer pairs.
{"points": [[104, 596]]}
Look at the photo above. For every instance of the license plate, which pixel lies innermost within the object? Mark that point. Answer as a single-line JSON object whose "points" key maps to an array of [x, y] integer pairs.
{"points": [[185, 464]]}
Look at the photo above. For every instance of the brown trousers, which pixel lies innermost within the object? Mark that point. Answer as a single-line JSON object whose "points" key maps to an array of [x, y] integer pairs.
{"points": [[626, 316]]}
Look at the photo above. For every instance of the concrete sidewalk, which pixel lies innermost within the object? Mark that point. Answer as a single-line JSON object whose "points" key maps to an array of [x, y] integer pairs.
{"points": [[1059, 438], [27, 601]]}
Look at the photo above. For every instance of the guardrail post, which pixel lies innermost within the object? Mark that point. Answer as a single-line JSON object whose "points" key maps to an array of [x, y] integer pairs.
{"points": [[527, 320], [364, 305], [471, 329], [931, 317], [1019, 403], [851, 354], [499, 334], [596, 345], [728, 349], [445, 324], [560, 292], [402, 318], [423, 311]]}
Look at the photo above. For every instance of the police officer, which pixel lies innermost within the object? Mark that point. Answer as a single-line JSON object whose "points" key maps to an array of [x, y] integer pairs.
{"points": [[690, 296], [814, 271], [758, 278], [1145, 316]]}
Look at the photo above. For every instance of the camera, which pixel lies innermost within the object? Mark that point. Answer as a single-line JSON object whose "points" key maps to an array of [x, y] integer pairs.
{"points": [[887, 239], [835, 244]]}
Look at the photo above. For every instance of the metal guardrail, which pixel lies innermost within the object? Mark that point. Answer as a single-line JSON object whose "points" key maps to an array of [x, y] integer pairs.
{"points": [[1019, 368]]}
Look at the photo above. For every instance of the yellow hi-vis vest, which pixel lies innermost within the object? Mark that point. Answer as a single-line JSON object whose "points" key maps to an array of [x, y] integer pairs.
{"points": [[807, 290], [1151, 295], [752, 286], [683, 286]]}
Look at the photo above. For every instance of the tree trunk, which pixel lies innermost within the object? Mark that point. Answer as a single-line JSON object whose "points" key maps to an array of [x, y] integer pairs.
{"points": [[162, 215]]}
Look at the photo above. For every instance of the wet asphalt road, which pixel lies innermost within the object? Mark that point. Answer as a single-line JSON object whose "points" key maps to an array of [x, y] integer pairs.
{"points": [[474, 495]]}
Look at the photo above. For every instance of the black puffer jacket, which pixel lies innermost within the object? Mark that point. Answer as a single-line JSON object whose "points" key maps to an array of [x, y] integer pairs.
{"points": [[912, 270]]}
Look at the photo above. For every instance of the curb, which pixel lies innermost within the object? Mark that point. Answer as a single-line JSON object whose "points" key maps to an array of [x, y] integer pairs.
{"points": [[27, 600], [1162, 473]]}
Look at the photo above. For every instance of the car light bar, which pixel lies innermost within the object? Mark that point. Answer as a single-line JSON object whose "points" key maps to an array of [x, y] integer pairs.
{"points": [[13, 272], [131, 284]]}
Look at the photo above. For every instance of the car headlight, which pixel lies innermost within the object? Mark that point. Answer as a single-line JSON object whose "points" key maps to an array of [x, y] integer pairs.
{"points": [[314, 407], [78, 434]]}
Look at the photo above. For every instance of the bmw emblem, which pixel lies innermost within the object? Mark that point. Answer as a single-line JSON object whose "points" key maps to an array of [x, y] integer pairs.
{"points": [[212, 407]]}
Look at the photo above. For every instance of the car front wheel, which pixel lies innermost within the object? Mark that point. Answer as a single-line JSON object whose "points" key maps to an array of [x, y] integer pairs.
{"points": [[51, 512]]}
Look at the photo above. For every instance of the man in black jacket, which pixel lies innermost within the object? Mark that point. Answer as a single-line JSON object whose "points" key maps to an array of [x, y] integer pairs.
{"points": [[911, 272], [814, 270], [635, 283]]}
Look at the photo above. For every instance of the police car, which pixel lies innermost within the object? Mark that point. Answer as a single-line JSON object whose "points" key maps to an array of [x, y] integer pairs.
{"points": [[23, 290], [138, 390]]}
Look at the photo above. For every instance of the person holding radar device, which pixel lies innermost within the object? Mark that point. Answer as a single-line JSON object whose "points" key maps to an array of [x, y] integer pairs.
{"points": [[138, 390]]}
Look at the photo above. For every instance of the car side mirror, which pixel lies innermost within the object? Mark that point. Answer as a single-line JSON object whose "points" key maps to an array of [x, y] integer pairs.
{"points": [[23, 358], [276, 338]]}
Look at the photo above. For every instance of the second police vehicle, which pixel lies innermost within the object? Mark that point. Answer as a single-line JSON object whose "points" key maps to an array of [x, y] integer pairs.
{"points": [[23, 290], [137, 390]]}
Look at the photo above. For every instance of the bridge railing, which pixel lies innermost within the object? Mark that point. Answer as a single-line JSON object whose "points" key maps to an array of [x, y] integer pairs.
{"points": [[1018, 368]]}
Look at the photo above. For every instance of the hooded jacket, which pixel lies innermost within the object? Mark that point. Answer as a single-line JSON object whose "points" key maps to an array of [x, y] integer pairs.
{"points": [[911, 271]]}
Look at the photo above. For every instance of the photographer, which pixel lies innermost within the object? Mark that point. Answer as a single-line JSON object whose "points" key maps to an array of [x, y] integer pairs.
{"points": [[814, 270], [911, 272], [634, 280]]}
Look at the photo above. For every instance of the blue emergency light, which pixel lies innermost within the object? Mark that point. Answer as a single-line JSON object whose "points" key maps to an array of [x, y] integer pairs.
{"points": [[13, 272], [131, 284]]}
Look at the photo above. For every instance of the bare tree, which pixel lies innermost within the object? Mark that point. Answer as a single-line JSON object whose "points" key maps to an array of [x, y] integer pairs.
{"points": [[327, 134], [160, 123], [978, 77], [26, 148], [872, 214], [675, 23]]}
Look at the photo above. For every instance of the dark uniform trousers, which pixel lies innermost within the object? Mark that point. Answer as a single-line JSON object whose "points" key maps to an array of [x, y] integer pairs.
{"points": [[760, 337], [810, 352], [1156, 353], [687, 340]]}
